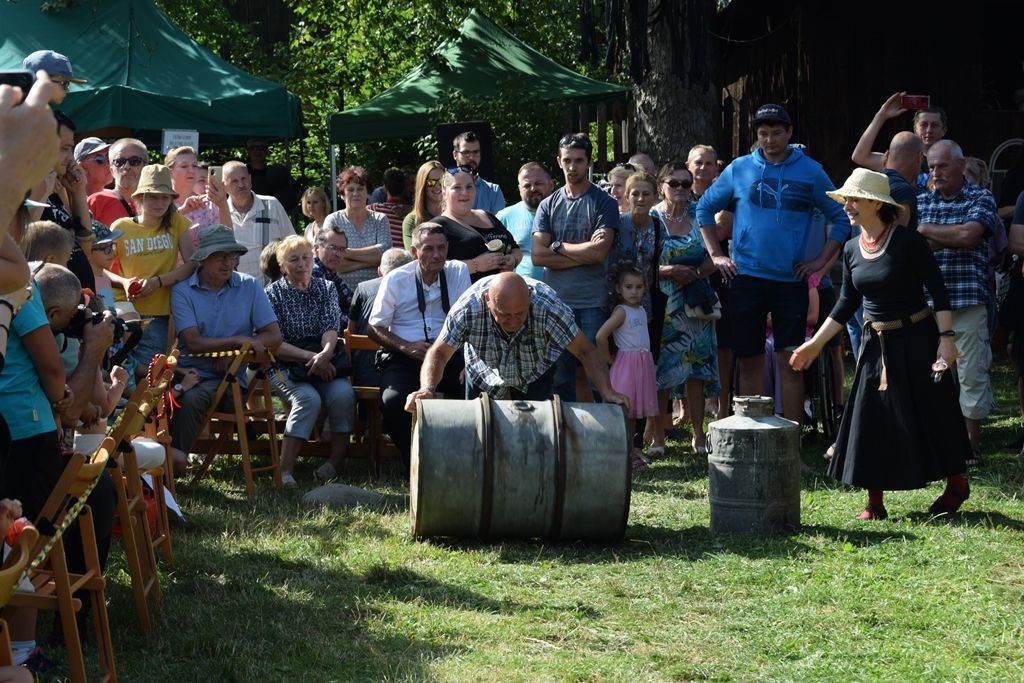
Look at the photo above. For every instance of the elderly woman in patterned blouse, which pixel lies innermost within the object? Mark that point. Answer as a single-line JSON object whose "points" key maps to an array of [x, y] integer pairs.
{"points": [[307, 310]]}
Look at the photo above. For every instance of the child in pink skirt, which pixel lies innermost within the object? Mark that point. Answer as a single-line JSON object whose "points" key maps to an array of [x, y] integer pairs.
{"points": [[632, 373]]}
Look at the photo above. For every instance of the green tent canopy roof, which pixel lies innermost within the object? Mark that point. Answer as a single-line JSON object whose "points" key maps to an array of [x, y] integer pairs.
{"points": [[146, 74], [474, 63]]}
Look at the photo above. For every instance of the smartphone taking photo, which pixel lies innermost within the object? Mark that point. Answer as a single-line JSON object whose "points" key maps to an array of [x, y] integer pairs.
{"points": [[916, 101]]}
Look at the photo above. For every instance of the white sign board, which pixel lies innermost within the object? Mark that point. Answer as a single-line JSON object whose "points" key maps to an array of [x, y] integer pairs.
{"points": [[179, 138]]}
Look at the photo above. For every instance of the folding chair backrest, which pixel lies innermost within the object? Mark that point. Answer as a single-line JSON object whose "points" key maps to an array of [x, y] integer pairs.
{"points": [[16, 562], [68, 496]]}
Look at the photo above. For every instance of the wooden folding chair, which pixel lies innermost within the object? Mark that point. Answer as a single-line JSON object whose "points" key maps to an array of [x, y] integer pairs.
{"points": [[372, 433], [136, 539], [54, 585], [10, 575], [157, 428], [253, 407]]}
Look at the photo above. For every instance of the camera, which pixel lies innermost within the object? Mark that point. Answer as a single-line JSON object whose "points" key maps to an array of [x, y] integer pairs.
{"points": [[90, 311]]}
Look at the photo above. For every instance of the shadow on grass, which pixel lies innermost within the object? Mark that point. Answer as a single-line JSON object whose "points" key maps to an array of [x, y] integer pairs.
{"points": [[690, 543], [230, 607]]}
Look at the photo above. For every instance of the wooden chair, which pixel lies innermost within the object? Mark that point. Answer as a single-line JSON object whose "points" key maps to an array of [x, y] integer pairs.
{"points": [[368, 397], [54, 585], [227, 428], [157, 428], [136, 539], [10, 575]]}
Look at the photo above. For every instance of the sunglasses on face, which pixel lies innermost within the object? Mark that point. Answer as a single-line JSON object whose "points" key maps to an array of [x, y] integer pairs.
{"points": [[431, 182], [100, 160], [676, 184], [455, 170], [64, 84], [131, 161]]}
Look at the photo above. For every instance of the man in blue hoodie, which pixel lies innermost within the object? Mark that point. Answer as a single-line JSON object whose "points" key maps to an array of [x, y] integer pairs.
{"points": [[775, 190]]}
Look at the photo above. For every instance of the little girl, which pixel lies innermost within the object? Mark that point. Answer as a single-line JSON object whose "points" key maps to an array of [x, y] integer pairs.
{"points": [[633, 372], [147, 259]]}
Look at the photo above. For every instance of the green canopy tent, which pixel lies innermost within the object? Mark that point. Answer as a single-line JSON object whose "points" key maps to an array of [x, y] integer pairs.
{"points": [[475, 63], [145, 74]]}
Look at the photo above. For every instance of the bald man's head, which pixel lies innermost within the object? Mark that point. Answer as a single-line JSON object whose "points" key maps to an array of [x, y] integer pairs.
{"points": [[508, 300], [904, 155]]}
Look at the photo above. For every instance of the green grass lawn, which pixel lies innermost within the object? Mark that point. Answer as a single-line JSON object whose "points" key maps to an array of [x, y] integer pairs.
{"points": [[275, 591]]}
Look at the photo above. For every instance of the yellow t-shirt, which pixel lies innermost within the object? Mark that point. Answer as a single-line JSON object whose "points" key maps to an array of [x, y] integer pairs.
{"points": [[147, 252]]}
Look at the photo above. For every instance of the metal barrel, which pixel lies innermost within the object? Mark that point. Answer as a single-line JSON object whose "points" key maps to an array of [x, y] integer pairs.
{"points": [[754, 470], [520, 469]]}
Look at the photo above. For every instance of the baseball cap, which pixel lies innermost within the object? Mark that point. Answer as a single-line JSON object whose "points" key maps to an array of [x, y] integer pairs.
{"points": [[102, 234], [89, 146], [53, 63], [772, 113]]}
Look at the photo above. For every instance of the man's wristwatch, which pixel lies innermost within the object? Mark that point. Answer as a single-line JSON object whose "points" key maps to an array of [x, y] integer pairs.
{"points": [[556, 245], [180, 389]]}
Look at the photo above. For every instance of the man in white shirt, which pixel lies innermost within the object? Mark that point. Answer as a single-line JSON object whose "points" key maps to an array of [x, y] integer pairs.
{"points": [[407, 316], [257, 219]]}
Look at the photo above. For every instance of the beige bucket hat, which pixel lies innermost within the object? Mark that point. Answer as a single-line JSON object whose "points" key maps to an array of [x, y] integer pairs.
{"points": [[865, 184]]}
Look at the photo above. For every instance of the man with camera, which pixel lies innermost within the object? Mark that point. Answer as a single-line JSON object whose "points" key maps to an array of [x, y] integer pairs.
{"points": [[407, 316], [35, 397]]}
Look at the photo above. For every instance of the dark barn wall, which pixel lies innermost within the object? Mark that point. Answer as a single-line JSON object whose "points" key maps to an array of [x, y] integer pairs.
{"points": [[832, 71]]}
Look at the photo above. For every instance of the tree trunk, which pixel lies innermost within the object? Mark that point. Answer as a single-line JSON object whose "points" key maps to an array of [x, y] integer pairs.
{"points": [[677, 102]]}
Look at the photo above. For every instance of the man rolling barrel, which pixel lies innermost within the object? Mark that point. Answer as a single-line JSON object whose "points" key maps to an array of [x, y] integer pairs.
{"points": [[514, 329]]}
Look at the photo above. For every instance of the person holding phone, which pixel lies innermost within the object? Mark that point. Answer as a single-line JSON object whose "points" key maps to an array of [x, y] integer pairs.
{"points": [[200, 210], [929, 124], [902, 426]]}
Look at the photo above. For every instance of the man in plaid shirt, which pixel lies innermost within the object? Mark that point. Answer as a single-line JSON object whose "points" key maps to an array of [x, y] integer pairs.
{"points": [[956, 217], [514, 329]]}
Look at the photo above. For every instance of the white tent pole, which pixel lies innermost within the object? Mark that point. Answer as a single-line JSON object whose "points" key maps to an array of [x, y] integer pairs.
{"points": [[334, 174]]}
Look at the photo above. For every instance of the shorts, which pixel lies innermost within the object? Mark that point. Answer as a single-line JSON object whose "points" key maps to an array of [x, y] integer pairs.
{"points": [[153, 342], [751, 299]]}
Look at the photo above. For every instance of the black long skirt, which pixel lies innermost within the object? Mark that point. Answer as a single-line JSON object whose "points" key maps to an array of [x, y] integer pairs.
{"points": [[909, 434]]}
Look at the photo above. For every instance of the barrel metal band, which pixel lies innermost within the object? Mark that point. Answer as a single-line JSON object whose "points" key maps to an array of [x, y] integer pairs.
{"points": [[487, 492], [559, 507]]}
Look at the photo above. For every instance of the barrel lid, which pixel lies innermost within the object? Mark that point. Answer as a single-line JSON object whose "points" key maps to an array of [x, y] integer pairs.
{"points": [[753, 405]]}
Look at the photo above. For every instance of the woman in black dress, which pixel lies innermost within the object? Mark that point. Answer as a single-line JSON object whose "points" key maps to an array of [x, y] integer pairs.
{"points": [[902, 427], [470, 230]]}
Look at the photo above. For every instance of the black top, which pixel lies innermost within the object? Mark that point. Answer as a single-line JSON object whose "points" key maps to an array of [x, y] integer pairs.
{"points": [[904, 193], [79, 263], [466, 243], [891, 284]]}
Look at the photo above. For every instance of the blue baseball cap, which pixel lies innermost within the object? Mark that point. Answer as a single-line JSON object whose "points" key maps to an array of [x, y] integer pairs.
{"points": [[102, 234], [53, 63]]}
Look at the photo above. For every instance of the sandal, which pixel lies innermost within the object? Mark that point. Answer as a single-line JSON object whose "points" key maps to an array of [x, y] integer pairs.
{"points": [[949, 502], [975, 460], [873, 513], [639, 461], [655, 452]]}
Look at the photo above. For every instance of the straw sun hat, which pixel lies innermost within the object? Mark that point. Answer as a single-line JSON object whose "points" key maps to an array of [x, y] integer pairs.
{"points": [[865, 184]]}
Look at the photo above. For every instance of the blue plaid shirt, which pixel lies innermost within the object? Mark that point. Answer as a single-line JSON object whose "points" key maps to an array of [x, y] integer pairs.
{"points": [[496, 360], [344, 292], [964, 270]]}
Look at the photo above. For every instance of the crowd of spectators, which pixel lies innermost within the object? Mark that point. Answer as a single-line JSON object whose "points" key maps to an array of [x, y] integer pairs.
{"points": [[725, 261]]}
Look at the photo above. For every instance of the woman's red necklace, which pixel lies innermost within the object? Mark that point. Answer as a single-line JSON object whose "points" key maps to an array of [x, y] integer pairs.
{"points": [[873, 246]]}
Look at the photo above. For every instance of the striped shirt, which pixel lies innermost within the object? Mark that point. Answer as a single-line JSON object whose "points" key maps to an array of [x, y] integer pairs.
{"points": [[496, 360], [964, 270]]}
